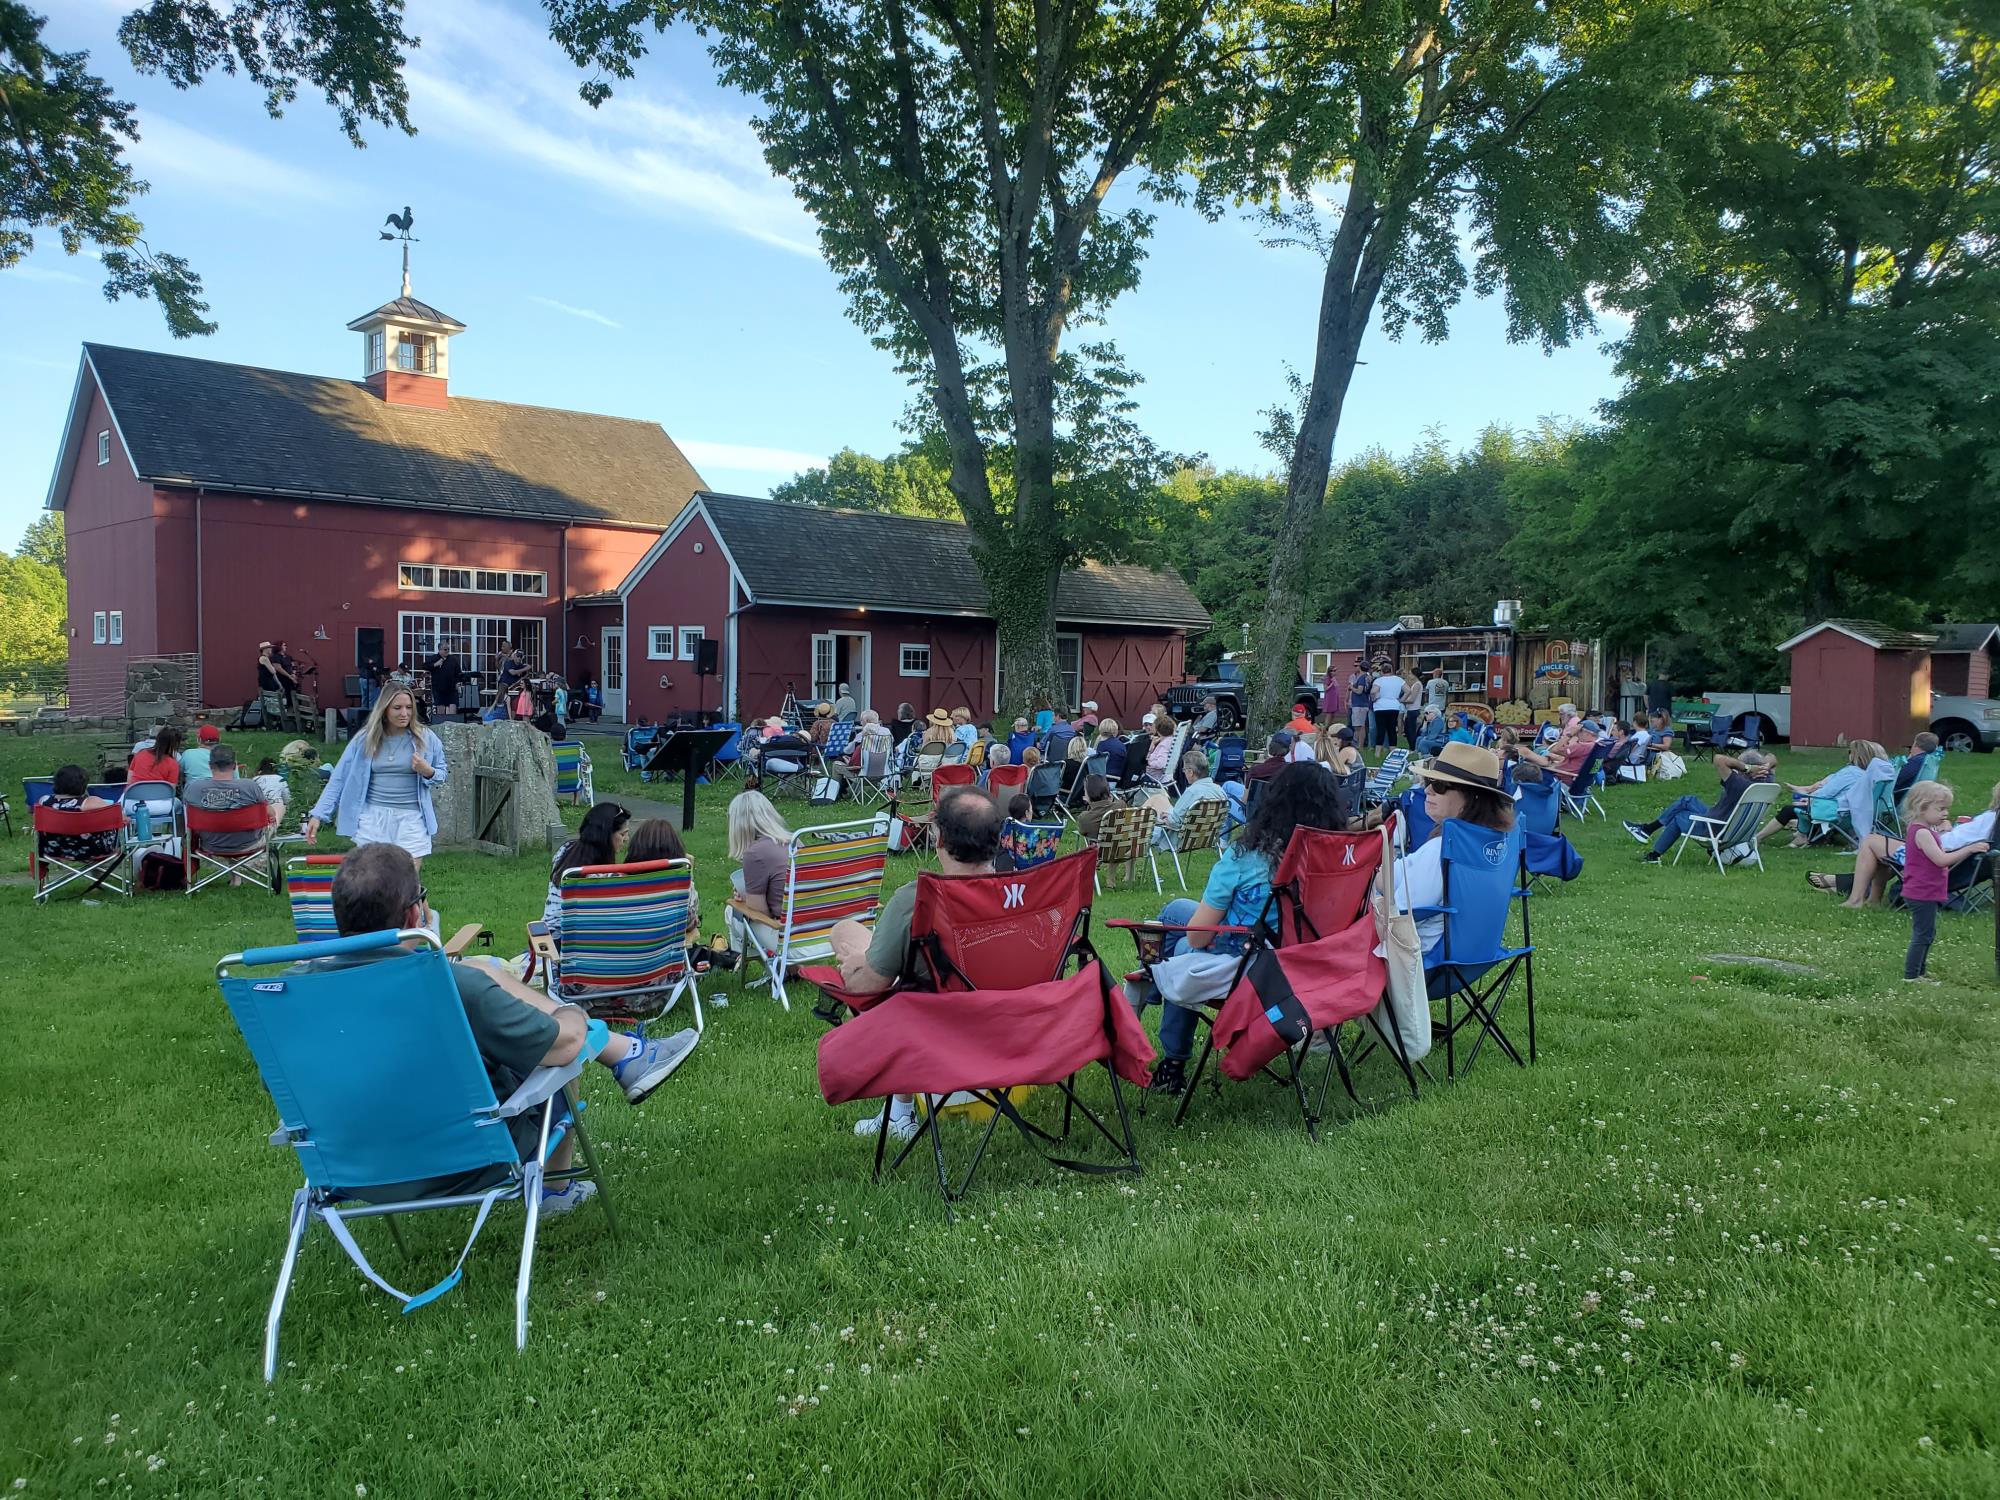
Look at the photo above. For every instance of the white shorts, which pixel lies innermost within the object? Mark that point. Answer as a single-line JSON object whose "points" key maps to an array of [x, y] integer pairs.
{"points": [[402, 826]]}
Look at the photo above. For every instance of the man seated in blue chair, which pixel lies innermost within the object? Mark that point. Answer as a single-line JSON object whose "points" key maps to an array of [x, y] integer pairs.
{"points": [[517, 1029]]}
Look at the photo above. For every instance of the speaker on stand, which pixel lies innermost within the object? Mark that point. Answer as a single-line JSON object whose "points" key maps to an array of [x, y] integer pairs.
{"points": [[707, 663]]}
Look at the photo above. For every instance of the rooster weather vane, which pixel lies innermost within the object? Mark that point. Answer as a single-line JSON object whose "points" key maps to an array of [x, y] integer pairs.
{"points": [[402, 224]]}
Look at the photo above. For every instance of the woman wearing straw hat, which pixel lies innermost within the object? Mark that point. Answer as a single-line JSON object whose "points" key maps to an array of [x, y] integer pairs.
{"points": [[1463, 782]]}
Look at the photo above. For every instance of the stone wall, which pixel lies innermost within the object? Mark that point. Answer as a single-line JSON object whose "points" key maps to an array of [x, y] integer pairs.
{"points": [[513, 747], [162, 690]]}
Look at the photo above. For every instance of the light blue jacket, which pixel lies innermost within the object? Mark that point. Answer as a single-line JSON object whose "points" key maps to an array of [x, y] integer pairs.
{"points": [[346, 791]]}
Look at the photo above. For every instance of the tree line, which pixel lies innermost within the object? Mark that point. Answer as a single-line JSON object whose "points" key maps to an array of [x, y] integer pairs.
{"points": [[1790, 202]]}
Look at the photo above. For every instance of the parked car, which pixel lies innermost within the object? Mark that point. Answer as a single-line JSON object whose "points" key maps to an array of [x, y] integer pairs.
{"points": [[1965, 723], [1231, 691]]}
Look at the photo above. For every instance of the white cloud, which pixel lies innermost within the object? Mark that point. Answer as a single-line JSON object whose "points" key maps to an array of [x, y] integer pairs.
{"points": [[588, 314], [27, 272], [749, 459], [166, 149], [493, 80]]}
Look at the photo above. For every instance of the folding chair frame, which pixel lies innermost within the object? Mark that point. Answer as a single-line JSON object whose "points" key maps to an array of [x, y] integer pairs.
{"points": [[226, 862], [782, 957], [1482, 1004], [1710, 833], [1179, 840], [104, 872]]}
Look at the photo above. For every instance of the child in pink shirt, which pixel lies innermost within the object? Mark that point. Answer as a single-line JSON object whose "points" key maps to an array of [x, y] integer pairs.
{"points": [[1927, 870]]}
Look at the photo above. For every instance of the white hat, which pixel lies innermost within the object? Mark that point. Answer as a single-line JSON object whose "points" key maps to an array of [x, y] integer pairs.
{"points": [[1148, 718], [1090, 705]]}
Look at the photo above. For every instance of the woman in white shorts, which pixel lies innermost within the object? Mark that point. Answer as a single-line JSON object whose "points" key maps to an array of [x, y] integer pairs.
{"points": [[380, 792]]}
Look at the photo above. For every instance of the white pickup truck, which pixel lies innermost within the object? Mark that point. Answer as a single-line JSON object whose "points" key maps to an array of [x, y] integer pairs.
{"points": [[1961, 724]]}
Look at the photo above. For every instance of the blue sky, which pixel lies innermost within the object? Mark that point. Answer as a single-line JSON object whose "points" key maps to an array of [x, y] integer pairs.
{"points": [[640, 260]]}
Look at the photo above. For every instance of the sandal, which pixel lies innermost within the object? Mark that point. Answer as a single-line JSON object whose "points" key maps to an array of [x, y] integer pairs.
{"points": [[1819, 880]]}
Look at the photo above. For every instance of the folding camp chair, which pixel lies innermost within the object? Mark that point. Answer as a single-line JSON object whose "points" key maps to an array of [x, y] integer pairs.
{"points": [[1067, 802], [1031, 844], [728, 761], [983, 1007], [1200, 827], [377, 1080], [1123, 836], [1176, 747], [1044, 787], [1307, 968], [1383, 783], [1230, 752], [1579, 792], [1547, 854], [309, 885], [1718, 835], [1003, 782], [7, 814], [573, 773], [638, 748], [196, 821], [1471, 967], [101, 871], [839, 735], [625, 935], [876, 780], [1412, 810], [835, 873]]}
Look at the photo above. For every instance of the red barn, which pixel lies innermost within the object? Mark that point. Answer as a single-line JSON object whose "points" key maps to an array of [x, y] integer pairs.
{"points": [[1859, 680], [803, 599], [209, 506]]}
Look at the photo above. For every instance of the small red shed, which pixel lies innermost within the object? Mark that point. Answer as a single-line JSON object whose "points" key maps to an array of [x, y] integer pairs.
{"points": [[1859, 679], [1962, 661]]}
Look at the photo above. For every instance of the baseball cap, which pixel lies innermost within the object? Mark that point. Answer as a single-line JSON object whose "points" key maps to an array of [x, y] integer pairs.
{"points": [[1149, 719], [208, 734]]}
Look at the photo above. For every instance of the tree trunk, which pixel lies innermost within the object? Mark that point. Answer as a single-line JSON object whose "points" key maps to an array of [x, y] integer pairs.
{"points": [[1021, 570]]}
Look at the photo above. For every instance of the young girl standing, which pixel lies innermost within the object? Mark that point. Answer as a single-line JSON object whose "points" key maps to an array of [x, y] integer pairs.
{"points": [[1927, 870]]}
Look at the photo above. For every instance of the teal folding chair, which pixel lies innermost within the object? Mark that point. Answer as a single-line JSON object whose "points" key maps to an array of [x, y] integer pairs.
{"points": [[377, 1080]]}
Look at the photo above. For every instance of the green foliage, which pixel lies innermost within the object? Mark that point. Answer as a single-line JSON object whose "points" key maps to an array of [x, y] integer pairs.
{"points": [[34, 604], [958, 158], [910, 483], [63, 133], [45, 541]]}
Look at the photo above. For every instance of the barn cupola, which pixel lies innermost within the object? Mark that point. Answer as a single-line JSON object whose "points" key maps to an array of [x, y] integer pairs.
{"points": [[405, 355]]}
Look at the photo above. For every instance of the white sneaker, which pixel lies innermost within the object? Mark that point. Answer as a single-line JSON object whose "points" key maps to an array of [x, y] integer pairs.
{"points": [[1735, 854], [572, 1194], [901, 1126], [653, 1064]]}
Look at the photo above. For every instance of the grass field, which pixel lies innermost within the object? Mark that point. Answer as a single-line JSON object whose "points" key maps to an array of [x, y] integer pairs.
{"points": [[1738, 1233]]}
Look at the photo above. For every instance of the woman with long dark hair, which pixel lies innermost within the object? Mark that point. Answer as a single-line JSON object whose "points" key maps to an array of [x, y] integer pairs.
{"points": [[1300, 796], [600, 841]]}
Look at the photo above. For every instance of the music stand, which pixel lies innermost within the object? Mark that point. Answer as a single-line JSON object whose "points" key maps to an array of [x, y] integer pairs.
{"points": [[689, 752]]}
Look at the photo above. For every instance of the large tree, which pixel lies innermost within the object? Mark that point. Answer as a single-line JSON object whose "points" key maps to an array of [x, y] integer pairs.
{"points": [[1517, 128], [63, 133], [958, 156]]}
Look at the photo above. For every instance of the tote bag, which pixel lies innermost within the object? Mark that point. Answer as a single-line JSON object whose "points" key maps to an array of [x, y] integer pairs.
{"points": [[1406, 1005]]}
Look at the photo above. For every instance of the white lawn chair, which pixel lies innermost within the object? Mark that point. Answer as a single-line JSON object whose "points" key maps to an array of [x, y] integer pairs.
{"points": [[1719, 835]]}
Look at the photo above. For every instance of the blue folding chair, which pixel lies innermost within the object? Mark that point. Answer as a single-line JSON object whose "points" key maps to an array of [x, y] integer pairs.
{"points": [[1383, 782], [1417, 822], [1471, 967], [728, 760], [377, 1080], [638, 748], [1230, 751], [1537, 806], [1579, 793]]}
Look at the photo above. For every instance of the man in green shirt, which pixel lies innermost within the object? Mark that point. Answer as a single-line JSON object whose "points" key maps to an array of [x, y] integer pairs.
{"points": [[516, 1029], [967, 824]]}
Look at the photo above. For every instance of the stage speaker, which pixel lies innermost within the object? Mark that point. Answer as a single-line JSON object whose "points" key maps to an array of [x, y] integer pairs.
{"points": [[707, 657]]}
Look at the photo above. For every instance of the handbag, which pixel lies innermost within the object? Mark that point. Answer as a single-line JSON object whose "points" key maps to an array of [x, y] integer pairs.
{"points": [[1669, 767], [825, 791], [1405, 1006]]}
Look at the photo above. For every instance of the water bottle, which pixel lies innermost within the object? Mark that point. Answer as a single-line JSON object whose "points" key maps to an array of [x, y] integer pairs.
{"points": [[142, 821]]}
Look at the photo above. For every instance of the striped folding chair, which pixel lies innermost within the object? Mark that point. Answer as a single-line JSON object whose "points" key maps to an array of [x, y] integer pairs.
{"points": [[1200, 828], [625, 934], [309, 884], [1124, 837], [573, 773], [836, 873]]}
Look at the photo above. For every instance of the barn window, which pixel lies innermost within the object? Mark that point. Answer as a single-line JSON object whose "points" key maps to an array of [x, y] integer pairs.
{"points": [[659, 643], [117, 627], [531, 583], [416, 576], [690, 641], [104, 447], [97, 628], [914, 661], [490, 581], [1069, 668], [416, 351]]}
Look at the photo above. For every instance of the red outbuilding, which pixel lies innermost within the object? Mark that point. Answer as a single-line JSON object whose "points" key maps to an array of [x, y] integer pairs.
{"points": [[803, 599], [1859, 679]]}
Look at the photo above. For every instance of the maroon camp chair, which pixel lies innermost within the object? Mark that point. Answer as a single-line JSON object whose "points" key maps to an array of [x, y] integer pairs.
{"points": [[1002, 782], [1308, 968], [984, 1006]]}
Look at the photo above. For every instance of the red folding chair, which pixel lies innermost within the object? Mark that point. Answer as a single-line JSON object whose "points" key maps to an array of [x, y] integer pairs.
{"points": [[983, 1006], [919, 827], [1308, 967], [1003, 782], [102, 870], [197, 821]]}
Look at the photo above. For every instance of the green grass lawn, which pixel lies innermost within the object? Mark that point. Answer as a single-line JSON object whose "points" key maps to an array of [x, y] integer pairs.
{"points": [[1738, 1233]]}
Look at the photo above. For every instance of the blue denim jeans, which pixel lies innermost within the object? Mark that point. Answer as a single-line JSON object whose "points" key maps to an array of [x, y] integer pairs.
{"points": [[1676, 821], [1176, 1021]]}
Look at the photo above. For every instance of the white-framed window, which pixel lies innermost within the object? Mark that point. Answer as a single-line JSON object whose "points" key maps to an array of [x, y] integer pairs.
{"points": [[104, 446], [478, 641], [691, 636], [659, 643], [1317, 663], [117, 627], [97, 628], [375, 360], [1069, 668], [913, 660], [447, 580]]}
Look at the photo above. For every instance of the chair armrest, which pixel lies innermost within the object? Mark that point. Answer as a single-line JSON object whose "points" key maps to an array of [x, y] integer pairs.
{"points": [[462, 939], [1433, 911], [1166, 927], [540, 1086]]}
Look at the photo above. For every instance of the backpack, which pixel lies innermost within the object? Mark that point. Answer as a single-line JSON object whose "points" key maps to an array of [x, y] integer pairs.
{"points": [[162, 872]]}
